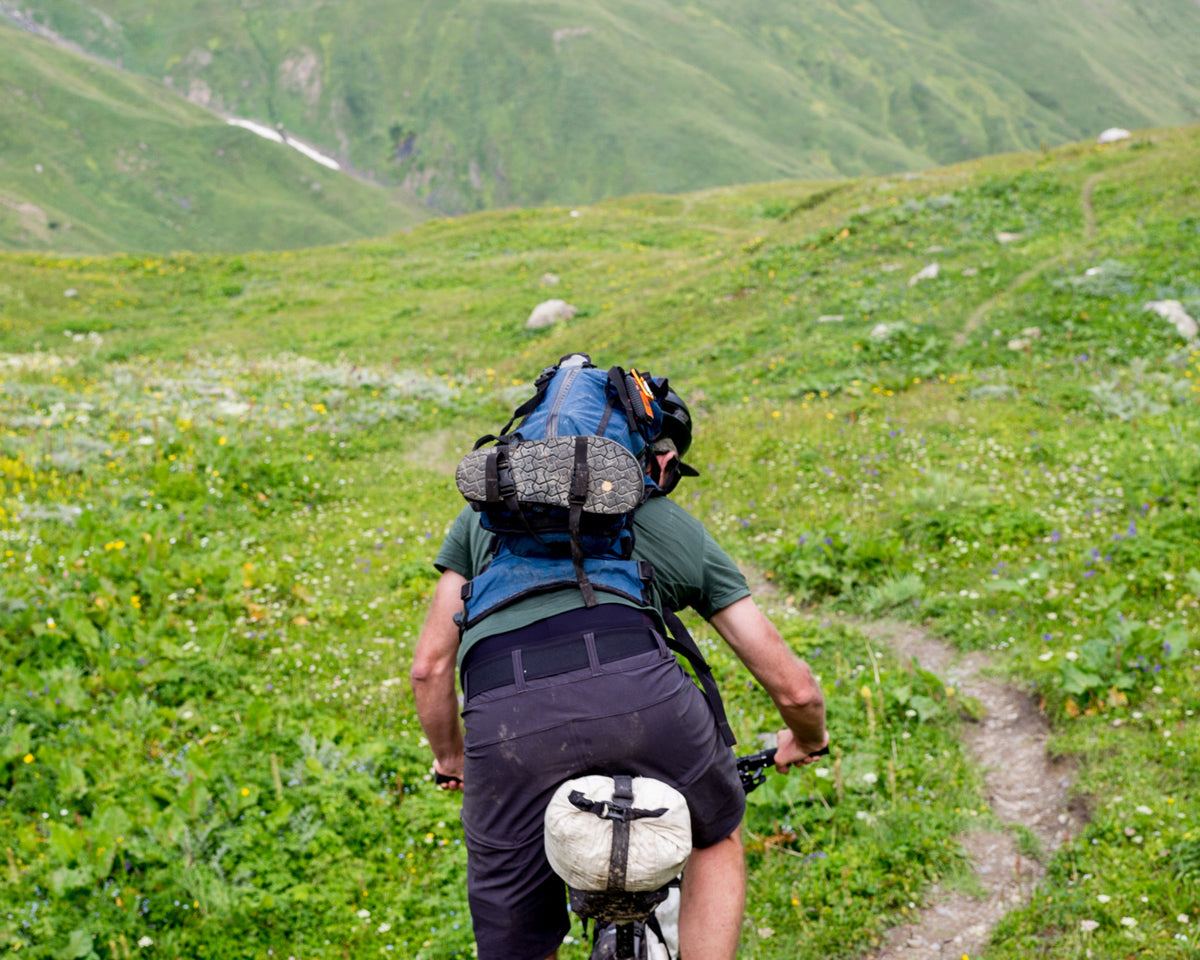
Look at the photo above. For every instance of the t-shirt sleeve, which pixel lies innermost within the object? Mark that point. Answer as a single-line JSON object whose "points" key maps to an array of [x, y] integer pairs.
{"points": [[690, 568], [721, 582], [456, 552]]}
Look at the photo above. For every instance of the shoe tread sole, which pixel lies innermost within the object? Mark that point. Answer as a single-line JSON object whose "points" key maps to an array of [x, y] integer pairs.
{"points": [[542, 471]]}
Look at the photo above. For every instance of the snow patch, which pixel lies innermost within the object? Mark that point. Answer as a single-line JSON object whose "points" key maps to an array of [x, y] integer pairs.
{"points": [[276, 137]]}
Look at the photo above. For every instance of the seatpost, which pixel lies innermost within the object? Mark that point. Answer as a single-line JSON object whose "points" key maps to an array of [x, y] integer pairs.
{"points": [[625, 943]]}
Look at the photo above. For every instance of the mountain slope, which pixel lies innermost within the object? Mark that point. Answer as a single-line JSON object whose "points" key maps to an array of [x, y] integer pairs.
{"points": [[481, 103], [93, 159]]}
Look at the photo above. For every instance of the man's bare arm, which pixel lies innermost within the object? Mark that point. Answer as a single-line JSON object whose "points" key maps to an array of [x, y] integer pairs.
{"points": [[432, 676], [782, 674]]}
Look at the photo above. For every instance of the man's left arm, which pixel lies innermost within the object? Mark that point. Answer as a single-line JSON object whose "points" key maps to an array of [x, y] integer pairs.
{"points": [[433, 674]]}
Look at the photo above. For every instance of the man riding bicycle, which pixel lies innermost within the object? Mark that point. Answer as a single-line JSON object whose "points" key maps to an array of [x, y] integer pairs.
{"points": [[554, 689]]}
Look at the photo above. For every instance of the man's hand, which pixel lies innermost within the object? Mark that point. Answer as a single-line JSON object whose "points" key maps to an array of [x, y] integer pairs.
{"points": [[451, 774], [790, 753]]}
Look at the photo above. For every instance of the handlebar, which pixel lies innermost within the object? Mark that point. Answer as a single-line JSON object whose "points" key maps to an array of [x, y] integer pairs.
{"points": [[752, 767]]}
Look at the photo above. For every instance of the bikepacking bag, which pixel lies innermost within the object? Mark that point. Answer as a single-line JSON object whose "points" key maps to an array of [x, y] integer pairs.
{"points": [[616, 836], [560, 490]]}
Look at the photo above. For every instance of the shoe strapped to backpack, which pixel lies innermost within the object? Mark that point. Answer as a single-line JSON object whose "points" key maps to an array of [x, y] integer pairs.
{"points": [[559, 491]]}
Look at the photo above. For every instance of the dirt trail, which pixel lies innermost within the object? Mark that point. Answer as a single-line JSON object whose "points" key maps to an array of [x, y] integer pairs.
{"points": [[1024, 788], [980, 313]]}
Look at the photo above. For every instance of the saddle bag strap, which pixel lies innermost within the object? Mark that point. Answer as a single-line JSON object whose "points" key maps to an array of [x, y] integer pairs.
{"points": [[618, 862], [681, 642]]}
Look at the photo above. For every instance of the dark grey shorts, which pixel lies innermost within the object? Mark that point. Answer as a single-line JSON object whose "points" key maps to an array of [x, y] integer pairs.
{"points": [[642, 716]]}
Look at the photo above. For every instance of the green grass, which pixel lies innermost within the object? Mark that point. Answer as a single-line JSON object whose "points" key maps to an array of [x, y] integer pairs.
{"points": [[223, 479], [484, 104], [94, 160]]}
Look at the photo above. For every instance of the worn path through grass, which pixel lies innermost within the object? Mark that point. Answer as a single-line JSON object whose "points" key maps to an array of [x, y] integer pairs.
{"points": [[980, 313], [1026, 789]]}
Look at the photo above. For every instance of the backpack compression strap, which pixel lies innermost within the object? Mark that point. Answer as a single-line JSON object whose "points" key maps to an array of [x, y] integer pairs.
{"points": [[616, 377], [541, 385], [498, 481], [681, 642], [578, 495]]}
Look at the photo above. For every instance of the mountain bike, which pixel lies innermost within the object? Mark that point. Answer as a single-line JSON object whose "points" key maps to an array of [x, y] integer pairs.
{"points": [[644, 926]]}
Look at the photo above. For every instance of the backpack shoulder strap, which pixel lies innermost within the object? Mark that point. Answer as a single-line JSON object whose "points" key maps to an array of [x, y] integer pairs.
{"points": [[682, 643]]}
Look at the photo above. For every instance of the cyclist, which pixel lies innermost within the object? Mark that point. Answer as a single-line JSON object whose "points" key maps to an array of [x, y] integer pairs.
{"points": [[553, 691]]}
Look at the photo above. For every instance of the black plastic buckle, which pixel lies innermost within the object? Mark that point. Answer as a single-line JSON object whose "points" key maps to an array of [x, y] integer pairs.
{"points": [[614, 811]]}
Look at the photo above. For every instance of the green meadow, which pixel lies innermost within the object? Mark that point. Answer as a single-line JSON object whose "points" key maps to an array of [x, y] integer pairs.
{"points": [[223, 479]]}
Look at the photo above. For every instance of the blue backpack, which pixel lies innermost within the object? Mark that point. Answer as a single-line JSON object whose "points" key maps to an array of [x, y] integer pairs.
{"points": [[559, 491]]}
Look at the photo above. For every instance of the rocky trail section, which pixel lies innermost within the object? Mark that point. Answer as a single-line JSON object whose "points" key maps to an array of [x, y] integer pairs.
{"points": [[1025, 788]]}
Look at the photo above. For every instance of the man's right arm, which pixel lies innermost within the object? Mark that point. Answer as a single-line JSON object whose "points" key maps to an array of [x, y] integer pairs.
{"points": [[786, 678], [433, 675]]}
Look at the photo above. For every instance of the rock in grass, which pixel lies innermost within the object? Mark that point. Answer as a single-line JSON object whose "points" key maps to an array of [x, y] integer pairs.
{"points": [[1026, 339], [929, 273], [548, 313], [1172, 311], [1112, 135]]}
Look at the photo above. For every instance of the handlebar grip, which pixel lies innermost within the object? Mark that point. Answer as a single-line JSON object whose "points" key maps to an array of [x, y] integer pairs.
{"points": [[440, 778], [769, 755]]}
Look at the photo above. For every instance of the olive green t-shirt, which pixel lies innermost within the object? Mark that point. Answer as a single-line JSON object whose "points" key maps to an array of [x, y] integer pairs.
{"points": [[690, 569]]}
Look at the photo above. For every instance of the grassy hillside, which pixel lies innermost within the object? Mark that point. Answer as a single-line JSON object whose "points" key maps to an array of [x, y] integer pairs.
{"points": [[96, 160], [222, 480], [480, 103]]}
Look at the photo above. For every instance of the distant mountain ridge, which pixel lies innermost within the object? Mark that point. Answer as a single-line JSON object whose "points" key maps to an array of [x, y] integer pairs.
{"points": [[480, 103], [96, 160]]}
